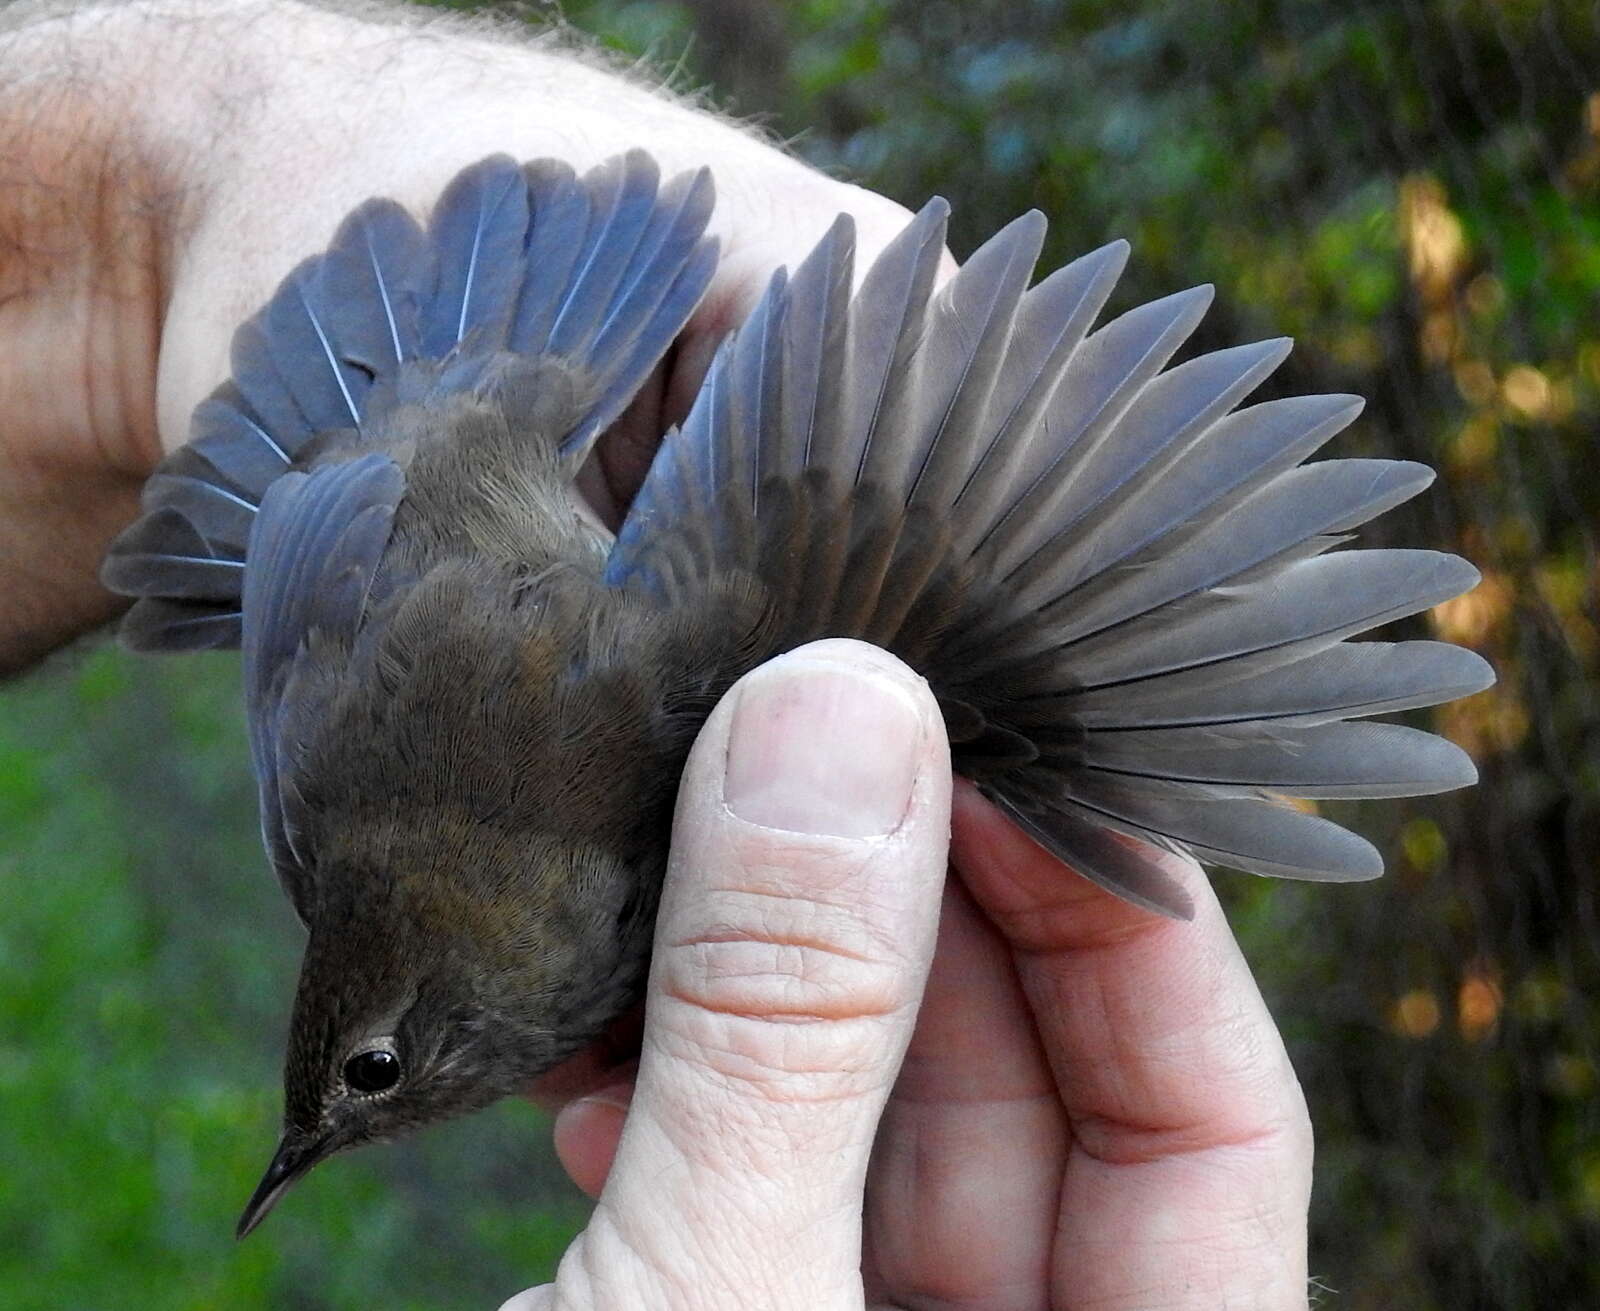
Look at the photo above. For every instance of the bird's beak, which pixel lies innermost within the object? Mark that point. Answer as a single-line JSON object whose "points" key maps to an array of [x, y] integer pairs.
{"points": [[296, 1154]]}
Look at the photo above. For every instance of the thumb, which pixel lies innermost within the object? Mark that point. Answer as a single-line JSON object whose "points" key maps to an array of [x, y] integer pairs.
{"points": [[794, 936]]}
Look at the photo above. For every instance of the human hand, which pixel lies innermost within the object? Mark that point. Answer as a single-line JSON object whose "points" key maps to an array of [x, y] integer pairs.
{"points": [[1094, 1108], [166, 162]]}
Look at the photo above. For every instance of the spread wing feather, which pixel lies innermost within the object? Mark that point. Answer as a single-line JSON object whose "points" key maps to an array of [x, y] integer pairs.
{"points": [[1121, 587]]}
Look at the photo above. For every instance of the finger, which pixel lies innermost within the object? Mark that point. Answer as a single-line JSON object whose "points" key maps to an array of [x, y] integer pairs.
{"points": [[792, 944], [590, 1093], [1189, 1176], [966, 1174], [587, 1133]]}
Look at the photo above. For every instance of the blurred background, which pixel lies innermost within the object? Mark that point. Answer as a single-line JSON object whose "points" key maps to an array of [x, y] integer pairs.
{"points": [[1410, 188]]}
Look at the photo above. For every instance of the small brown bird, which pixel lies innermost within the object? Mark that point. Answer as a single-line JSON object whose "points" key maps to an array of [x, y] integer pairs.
{"points": [[469, 707]]}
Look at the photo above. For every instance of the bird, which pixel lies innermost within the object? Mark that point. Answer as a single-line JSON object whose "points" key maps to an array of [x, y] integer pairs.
{"points": [[469, 703]]}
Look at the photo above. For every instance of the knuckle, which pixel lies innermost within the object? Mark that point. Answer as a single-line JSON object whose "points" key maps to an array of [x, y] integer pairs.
{"points": [[783, 994], [752, 1063], [789, 963]]}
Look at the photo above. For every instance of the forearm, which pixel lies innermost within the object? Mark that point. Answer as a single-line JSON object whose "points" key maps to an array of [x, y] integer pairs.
{"points": [[167, 161]]}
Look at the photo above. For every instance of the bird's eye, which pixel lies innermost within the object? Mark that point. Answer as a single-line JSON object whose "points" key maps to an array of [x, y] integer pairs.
{"points": [[372, 1071]]}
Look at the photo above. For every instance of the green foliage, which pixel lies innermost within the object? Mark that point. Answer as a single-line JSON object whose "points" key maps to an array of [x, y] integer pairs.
{"points": [[146, 962]]}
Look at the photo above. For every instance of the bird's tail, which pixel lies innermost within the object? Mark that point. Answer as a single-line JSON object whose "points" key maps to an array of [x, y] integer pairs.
{"points": [[602, 271], [1121, 588]]}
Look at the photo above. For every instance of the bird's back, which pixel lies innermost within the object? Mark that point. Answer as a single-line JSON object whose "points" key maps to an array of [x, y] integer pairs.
{"points": [[395, 449], [485, 478]]}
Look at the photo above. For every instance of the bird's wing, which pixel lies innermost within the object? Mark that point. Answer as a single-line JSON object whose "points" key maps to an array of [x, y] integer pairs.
{"points": [[616, 265], [517, 265], [314, 553], [1117, 583]]}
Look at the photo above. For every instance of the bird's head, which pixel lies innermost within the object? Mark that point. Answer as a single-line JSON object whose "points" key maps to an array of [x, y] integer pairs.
{"points": [[426, 997]]}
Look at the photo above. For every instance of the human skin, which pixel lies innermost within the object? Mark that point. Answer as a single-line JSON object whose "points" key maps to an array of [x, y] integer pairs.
{"points": [[1094, 1109]]}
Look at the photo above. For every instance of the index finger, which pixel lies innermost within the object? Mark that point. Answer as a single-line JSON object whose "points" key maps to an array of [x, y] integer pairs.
{"points": [[1189, 1173]]}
